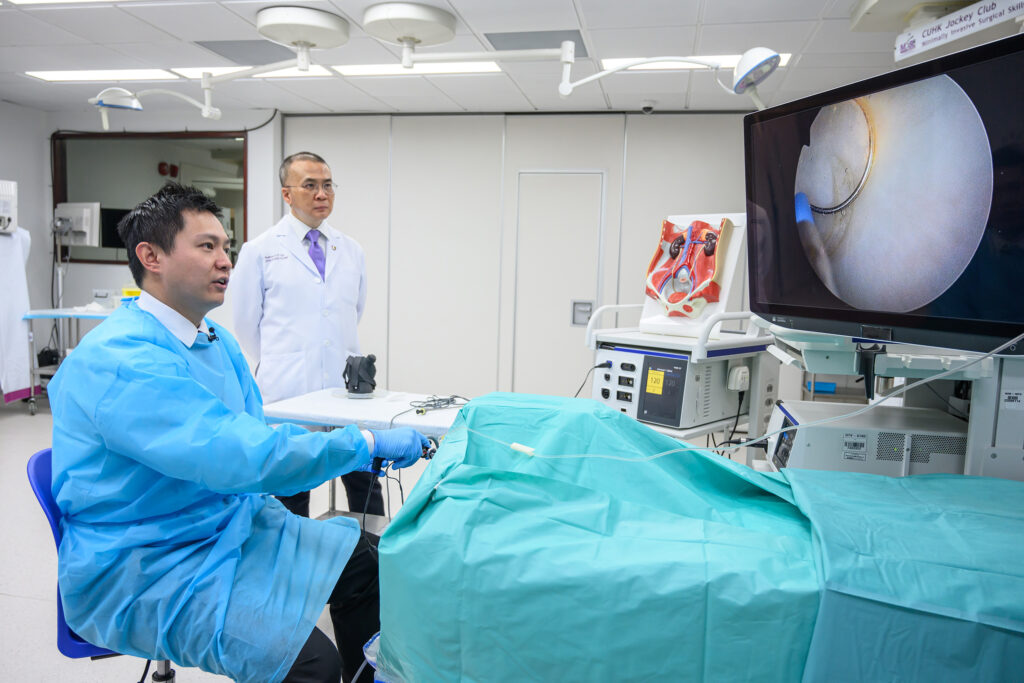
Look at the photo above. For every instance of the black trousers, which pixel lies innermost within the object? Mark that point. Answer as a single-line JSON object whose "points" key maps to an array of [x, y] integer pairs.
{"points": [[355, 611], [357, 485]]}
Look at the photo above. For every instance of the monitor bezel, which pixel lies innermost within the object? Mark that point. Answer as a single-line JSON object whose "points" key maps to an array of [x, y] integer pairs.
{"points": [[887, 327]]}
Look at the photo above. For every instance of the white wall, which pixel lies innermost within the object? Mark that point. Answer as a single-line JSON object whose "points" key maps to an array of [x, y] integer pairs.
{"points": [[25, 143], [433, 200]]}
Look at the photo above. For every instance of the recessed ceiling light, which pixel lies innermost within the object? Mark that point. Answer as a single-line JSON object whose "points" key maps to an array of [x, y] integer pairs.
{"points": [[727, 62], [420, 69], [198, 71], [314, 70], [102, 75]]}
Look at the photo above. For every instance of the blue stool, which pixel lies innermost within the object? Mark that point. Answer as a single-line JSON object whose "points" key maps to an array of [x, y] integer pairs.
{"points": [[70, 643]]}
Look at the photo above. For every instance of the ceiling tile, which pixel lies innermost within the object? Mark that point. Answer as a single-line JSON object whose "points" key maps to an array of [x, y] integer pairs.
{"points": [[605, 14], [24, 28], [394, 86], [646, 84], [840, 9], [537, 40], [553, 70], [482, 92], [463, 43], [336, 94], [824, 60], [781, 36], [819, 80], [644, 42], [542, 92], [356, 51], [264, 94], [432, 101], [743, 11], [50, 96], [39, 58], [171, 54], [201, 21], [706, 95], [104, 25], [486, 16], [834, 35]]}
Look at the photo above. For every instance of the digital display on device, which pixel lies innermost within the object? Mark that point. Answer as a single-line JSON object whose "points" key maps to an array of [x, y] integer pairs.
{"points": [[661, 388], [895, 206]]}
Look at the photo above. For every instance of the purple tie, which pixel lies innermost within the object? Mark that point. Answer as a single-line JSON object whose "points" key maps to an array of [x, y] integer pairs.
{"points": [[315, 252]]}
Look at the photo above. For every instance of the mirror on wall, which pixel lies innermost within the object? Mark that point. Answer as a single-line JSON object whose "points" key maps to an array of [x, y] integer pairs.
{"points": [[118, 170]]}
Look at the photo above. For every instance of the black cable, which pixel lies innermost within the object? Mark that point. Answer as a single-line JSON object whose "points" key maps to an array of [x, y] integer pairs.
{"points": [[249, 130], [606, 364], [366, 506], [145, 671], [962, 416], [739, 409]]}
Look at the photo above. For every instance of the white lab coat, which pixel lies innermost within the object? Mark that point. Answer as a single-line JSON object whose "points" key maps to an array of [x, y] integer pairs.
{"points": [[298, 329], [15, 364]]}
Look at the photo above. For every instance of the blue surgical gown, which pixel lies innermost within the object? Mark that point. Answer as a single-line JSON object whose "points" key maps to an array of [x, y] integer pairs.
{"points": [[172, 548]]}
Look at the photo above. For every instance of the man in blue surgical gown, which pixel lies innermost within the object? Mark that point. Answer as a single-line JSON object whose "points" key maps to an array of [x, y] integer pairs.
{"points": [[162, 463]]}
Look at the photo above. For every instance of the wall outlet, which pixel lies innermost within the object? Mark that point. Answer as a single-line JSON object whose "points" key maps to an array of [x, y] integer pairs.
{"points": [[102, 295]]}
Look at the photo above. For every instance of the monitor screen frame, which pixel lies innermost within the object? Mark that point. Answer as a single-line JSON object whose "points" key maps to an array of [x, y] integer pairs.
{"points": [[866, 325]]}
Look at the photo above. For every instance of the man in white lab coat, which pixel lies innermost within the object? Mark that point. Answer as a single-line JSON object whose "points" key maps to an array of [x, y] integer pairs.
{"points": [[299, 291]]}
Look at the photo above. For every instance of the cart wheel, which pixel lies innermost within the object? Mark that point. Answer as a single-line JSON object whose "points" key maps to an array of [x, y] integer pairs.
{"points": [[32, 406]]}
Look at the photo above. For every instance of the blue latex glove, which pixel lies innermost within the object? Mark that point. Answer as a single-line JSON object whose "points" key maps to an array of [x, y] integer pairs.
{"points": [[803, 208], [400, 447]]}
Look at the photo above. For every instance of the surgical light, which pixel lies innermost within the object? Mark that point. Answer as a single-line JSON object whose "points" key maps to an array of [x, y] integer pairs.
{"points": [[752, 68], [300, 28]]}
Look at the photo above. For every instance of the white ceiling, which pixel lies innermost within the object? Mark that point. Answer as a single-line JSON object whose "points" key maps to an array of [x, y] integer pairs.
{"points": [[162, 34]]}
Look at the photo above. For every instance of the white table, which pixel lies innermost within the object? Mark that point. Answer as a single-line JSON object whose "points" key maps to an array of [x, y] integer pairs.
{"points": [[73, 316], [385, 409]]}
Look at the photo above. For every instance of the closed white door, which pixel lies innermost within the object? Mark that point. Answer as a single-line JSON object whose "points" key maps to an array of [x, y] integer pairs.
{"points": [[558, 237]]}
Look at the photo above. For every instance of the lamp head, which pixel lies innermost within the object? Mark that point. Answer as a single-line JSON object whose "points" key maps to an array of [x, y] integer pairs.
{"points": [[116, 98], [754, 66]]}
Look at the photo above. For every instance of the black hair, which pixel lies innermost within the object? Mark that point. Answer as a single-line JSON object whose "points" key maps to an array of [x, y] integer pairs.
{"points": [[286, 165], [159, 219]]}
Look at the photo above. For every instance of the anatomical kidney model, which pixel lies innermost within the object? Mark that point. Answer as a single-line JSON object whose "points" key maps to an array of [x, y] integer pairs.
{"points": [[685, 273], [899, 187]]}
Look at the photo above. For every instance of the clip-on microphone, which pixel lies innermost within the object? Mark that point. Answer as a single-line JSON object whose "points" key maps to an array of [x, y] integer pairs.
{"points": [[212, 335]]}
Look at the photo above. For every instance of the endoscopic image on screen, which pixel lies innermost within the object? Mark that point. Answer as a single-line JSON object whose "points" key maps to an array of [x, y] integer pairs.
{"points": [[891, 223], [906, 199]]}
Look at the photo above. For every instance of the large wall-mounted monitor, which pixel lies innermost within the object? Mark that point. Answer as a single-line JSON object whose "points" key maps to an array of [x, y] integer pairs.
{"points": [[893, 209]]}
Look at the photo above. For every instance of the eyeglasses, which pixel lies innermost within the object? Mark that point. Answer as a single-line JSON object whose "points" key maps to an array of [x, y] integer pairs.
{"points": [[312, 187]]}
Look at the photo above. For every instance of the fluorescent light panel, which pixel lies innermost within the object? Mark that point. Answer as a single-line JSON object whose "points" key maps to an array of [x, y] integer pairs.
{"points": [[103, 75], [198, 71], [421, 69], [726, 61]]}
